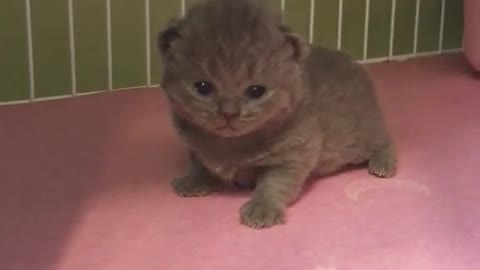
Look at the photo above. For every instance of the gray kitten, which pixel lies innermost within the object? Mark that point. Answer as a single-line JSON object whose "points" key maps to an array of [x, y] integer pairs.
{"points": [[253, 101]]}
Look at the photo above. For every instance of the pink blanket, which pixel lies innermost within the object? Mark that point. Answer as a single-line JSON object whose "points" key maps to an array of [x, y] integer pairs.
{"points": [[84, 185]]}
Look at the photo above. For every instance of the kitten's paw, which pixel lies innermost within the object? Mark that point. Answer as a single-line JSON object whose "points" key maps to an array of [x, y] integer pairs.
{"points": [[383, 164], [190, 187], [260, 215]]}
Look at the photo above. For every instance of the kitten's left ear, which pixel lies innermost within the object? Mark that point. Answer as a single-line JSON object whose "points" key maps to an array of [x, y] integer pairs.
{"points": [[167, 39], [296, 46]]}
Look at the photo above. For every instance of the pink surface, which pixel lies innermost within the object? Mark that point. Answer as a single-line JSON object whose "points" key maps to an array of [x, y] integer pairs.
{"points": [[84, 184], [472, 32]]}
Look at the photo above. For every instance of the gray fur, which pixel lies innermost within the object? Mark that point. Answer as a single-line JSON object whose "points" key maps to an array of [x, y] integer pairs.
{"points": [[320, 113]]}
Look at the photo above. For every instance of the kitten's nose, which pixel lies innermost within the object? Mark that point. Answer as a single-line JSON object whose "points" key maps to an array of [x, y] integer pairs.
{"points": [[229, 115], [229, 110]]}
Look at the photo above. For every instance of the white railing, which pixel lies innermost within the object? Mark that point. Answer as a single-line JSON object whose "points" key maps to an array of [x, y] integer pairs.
{"points": [[183, 6]]}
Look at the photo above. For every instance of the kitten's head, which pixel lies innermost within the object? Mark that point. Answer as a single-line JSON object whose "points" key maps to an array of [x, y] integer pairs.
{"points": [[230, 66]]}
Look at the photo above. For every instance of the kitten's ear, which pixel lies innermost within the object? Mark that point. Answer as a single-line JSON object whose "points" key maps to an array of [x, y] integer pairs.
{"points": [[168, 38], [295, 45]]}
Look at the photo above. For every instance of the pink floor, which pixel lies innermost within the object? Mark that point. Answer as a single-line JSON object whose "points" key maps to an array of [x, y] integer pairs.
{"points": [[84, 185]]}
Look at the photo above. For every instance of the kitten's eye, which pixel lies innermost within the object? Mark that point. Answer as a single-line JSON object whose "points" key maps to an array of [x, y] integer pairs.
{"points": [[256, 91], [204, 89]]}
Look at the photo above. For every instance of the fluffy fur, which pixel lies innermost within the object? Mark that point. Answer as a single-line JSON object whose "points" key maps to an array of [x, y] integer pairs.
{"points": [[318, 115]]}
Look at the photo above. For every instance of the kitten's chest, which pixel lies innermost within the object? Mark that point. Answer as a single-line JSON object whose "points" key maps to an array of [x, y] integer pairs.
{"points": [[230, 160], [225, 170], [233, 170]]}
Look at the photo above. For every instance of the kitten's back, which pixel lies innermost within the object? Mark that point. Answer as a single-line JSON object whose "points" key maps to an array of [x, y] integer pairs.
{"points": [[343, 97]]}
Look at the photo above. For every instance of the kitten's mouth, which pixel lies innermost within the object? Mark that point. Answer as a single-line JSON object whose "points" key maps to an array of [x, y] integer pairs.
{"points": [[226, 127]]}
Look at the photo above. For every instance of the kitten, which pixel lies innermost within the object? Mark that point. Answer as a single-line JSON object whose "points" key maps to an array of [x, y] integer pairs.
{"points": [[253, 101]]}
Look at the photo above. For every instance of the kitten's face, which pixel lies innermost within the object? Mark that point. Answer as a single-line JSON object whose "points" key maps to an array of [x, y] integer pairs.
{"points": [[234, 99], [230, 67]]}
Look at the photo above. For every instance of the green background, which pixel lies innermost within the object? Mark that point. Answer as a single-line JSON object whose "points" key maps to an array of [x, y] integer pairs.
{"points": [[51, 47]]}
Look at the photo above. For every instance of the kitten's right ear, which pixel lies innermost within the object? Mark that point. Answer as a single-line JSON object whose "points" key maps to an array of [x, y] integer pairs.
{"points": [[167, 39], [296, 48]]}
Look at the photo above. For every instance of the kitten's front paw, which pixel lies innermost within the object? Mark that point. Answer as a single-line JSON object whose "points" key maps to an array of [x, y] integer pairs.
{"points": [[383, 166], [383, 163], [260, 215], [189, 187]]}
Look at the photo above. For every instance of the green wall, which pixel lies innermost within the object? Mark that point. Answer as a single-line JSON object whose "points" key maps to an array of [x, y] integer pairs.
{"points": [[58, 66]]}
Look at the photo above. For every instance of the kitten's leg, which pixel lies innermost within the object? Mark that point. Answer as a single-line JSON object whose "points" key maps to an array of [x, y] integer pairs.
{"points": [[197, 182], [277, 187], [383, 162]]}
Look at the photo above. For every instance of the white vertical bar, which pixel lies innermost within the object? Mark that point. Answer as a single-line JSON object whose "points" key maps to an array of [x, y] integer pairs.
{"points": [[183, 8], [109, 45], [282, 9], [417, 20], [31, 69], [71, 33], [147, 43], [367, 24], [312, 21], [340, 22], [392, 29], [442, 27]]}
